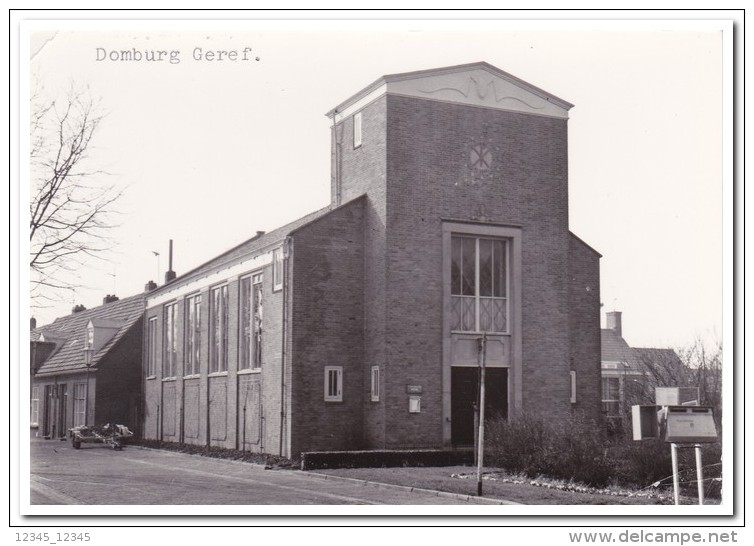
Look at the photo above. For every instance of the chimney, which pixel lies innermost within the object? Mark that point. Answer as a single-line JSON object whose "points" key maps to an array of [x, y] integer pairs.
{"points": [[110, 298], [33, 323], [615, 323], [151, 285], [78, 308], [170, 274]]}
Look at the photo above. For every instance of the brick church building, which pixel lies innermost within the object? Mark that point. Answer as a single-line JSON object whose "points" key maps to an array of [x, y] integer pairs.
{"points": [[358, 326]]}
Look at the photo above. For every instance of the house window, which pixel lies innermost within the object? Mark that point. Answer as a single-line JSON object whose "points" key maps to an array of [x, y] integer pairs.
{"points": [[79, 404], [152, 347], [251, 322], [218, 328], [573, 387], [193, 334], [357, 130], [277, 269], [611, 396], [479, 284], [375, 383], [333, 383], [170, 333], [34, 417]]}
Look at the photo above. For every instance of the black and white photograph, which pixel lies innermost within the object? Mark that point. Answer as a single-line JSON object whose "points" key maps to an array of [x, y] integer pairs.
{"points": [[364, 266]]}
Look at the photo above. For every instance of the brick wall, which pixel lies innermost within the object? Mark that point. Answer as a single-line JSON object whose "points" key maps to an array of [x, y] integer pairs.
{"points": [[366, 288], [584, 273], [119, 382], [193, 409], [430, 178], [327, 329], [363, 171]]}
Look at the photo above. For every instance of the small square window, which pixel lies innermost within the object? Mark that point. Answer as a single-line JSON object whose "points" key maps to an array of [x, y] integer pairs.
{"points": [[333, 383], [375, 383], [357, 130]]}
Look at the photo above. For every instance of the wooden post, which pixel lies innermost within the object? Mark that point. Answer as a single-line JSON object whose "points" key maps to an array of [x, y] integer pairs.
{"points": [[480, 448]]}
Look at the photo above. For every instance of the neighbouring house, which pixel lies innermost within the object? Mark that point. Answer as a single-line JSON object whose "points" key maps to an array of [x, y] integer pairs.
{"points": [[630, 375], [86, 368], [359, 326]]}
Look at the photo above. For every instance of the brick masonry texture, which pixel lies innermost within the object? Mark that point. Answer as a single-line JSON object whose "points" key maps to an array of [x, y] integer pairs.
{"points": [[428, 178], [364, 287], [585, 328], [328, 329], [193, 409]]}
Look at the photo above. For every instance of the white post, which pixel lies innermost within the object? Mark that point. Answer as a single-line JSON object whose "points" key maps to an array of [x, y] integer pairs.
{"points": [[674, 458], [88, 363], [699, 476], [480, 447]]}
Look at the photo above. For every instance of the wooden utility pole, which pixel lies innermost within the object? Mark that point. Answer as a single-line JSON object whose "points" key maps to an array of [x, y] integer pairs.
{"points": [[480, 446]]}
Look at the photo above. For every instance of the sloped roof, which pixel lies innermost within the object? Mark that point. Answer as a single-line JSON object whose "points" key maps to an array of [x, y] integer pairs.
{"points": [[68, 333], [248, 247], [615, 349], [665, 356]]}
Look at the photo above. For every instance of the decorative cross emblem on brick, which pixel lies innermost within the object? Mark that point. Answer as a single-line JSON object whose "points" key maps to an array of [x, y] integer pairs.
{"points": [[481, 158]]}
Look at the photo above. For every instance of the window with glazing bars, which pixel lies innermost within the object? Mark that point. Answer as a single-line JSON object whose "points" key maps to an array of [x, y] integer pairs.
{"points": [[34, 406], [333, 383], [79, 404], [170, 353], [251, 322], [479, 284], [152, 347], [218, 345], [193, 334], [611, 395]]}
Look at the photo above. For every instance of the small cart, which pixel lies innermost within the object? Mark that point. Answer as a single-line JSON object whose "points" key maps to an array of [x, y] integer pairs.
{"points": [[108, 434]]}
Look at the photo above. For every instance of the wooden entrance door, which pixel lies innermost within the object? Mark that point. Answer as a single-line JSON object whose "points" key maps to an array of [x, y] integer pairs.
{"points": [[463, 398]]}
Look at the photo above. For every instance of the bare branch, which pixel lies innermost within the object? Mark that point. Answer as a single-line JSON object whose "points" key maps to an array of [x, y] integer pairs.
{"points": [[71, 206]]}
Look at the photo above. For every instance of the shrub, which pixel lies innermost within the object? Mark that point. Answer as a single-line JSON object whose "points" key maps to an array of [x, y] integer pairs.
{"points": [[649, 462], [576, 449], [641, 463], [571, 449], [219, 453]]}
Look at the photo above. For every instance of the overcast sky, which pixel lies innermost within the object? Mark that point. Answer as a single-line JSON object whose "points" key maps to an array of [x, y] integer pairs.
{"points": [[210, 152]]}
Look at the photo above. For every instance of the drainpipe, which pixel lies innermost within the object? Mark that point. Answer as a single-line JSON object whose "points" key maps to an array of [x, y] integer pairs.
{"points": [[286, 252], [182, 413], [336, 146], [208, 414]]}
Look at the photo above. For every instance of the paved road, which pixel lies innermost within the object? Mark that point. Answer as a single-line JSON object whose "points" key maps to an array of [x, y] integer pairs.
{"points": [[96, 474]]}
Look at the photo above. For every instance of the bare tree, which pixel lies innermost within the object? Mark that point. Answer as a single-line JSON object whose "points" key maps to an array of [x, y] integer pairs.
{"points": [[697, 365], [70, 207], [705, 365]]}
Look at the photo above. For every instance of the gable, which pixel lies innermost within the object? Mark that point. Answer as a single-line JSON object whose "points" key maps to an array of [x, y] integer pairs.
{"points": [[478, 84]]}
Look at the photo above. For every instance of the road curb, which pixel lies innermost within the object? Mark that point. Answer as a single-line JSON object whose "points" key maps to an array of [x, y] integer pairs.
{"points": [[473, 499]]}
